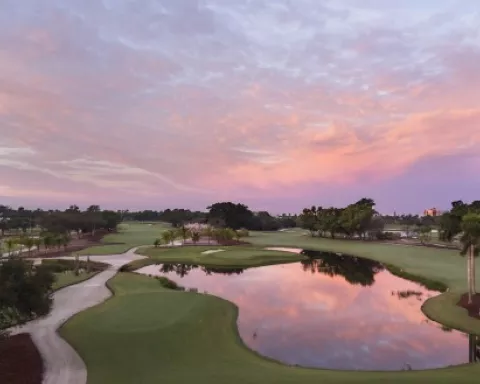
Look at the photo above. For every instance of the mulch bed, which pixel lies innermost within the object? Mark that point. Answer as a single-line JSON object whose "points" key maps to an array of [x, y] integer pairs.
{"points": [[474, 308], [20, 361]]}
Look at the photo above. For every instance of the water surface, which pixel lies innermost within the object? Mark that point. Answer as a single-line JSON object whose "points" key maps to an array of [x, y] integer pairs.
{"points": [[333, 311]]}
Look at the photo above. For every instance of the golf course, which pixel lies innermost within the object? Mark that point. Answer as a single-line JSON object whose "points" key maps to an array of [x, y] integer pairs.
{"points": [[146, 333]]}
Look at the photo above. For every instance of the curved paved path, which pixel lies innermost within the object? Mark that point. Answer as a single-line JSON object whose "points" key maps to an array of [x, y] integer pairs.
{"points": [[62, 365]]}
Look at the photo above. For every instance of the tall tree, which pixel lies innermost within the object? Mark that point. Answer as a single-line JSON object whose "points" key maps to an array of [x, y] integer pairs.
{"points": [[234, 216], [471, 245]]}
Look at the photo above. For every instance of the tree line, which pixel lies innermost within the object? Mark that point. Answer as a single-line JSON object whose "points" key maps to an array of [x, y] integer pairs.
{"points": [[22, 221], [359, 219], [221, 214]]}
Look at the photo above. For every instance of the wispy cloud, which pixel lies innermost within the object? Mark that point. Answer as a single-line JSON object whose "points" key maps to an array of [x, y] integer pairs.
{"points": [[188, 101]]}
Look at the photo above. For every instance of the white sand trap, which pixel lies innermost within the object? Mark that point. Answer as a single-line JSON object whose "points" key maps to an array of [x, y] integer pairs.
{"points": [[212, 251], [280, 249]]}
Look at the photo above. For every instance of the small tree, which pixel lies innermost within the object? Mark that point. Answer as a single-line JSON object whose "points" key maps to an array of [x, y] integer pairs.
{"points": [[195, 237], [66, 239], [208, 231], [184, 233], [425, 233], [89, 267], [167, 237], [37, 242], [10, 243], [47, 242], [77, 265], [173, 236], [58, 241], [157, 243], [28, 242]]}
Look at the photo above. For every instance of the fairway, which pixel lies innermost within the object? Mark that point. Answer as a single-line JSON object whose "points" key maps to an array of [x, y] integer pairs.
{"points": [[129, 235], [146, 334]]}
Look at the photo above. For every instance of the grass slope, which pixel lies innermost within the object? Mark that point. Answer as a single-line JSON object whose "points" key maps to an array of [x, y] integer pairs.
{"points": [[147, 334], [65, 279], [129, 235]]}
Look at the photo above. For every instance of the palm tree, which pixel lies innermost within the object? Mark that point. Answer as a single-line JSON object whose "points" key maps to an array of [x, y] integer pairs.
{"points": [[58, 241], [195, 237], [29, 242], [471, 246], [10, 245], [66, 239], [37, 242], [47, 242], [184, 233], [166, 237], [209, 233]]}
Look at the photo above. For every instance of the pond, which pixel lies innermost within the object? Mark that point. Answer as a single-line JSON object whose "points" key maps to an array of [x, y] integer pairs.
{"points": [[331, 311]]}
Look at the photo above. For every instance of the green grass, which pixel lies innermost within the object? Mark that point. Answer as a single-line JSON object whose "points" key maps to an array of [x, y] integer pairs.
{"points": [[231, 257], [129, 235], [148, 334], [64, 279]]}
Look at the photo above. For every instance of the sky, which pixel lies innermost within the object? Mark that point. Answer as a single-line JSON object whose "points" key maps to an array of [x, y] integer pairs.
{"points": [[279, 104]]}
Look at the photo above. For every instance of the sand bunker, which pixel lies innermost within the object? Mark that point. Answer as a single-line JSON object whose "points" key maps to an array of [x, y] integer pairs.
{"points": [[212, 251], [281, 249]]}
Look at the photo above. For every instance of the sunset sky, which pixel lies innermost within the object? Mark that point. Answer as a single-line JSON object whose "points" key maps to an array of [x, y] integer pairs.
{"points": [[279, 104]]}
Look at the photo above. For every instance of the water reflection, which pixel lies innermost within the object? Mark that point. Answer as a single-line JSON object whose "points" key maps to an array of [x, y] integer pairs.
{"points": [[183, 269], [353, 269], [331, 312]]}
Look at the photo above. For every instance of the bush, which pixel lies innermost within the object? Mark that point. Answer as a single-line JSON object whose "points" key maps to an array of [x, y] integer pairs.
{"points": [[387, 235], [57, 266], [25, 293], [243, 233], [60, 265]]}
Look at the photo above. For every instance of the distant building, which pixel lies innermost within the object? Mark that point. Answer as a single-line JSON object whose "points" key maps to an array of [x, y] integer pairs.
{"points": [[432, 212]]}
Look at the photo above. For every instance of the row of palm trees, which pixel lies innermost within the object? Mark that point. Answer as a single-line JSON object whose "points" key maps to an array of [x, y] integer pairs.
{"points": [[30, 244], [184, 233]]}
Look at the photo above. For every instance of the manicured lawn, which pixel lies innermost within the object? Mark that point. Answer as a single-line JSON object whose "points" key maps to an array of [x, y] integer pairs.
{"points": [[147, 334], [129, 235], [64, 279], [241, 257]]}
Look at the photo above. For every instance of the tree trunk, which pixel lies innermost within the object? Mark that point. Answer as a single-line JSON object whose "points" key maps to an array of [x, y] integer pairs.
{"points": [[472, 268], [469, 278]]}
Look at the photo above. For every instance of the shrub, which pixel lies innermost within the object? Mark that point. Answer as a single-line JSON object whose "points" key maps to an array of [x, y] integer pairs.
{"points": [[243, 233], [387, 235], [25, 293], [60, 265]]}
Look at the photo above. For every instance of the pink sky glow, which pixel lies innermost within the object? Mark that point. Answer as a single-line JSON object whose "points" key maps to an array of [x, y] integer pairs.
{"points": [[278, 104]]}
